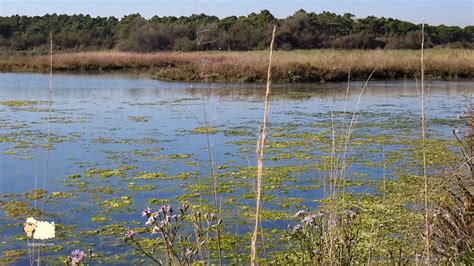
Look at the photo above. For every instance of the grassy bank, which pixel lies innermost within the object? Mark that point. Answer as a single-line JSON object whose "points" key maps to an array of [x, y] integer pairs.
{"points": [[294, 66]]}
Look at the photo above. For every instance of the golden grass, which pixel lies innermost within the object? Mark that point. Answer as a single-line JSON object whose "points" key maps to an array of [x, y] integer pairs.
{"points": [[289, 66]]}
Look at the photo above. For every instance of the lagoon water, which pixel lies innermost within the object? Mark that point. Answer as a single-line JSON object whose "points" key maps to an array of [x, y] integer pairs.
{"points": [[123, 126]]}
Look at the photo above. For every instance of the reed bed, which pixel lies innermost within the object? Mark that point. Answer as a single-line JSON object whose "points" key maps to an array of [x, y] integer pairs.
{"points": [[289, 66]]}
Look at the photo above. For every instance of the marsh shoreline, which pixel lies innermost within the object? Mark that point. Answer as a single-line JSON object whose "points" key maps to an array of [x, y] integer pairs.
{"points": [[289, 66]]}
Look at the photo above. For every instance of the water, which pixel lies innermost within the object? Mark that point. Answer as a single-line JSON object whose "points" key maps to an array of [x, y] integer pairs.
{"points": [[112, 122]]}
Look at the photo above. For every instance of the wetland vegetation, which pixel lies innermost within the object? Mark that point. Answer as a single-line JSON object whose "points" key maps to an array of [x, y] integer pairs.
{"points": [[289, 66], [122, 144], [131, 170]]}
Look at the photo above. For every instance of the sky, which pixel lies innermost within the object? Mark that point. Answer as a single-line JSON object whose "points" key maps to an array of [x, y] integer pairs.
{"points": [[434, 12]]}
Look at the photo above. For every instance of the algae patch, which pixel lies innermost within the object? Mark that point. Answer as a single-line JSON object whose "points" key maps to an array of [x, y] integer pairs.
{"points": [[118, 203], [205, 130]]}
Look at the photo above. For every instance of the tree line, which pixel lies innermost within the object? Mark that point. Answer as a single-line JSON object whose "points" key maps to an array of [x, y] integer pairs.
{"points": [[302, 30]]}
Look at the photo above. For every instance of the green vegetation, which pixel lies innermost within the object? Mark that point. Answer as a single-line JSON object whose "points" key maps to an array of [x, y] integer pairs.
{"points": [[118, 203], [135, 118], [146, 175], [205, 130], [302, 30], [19, 103]]}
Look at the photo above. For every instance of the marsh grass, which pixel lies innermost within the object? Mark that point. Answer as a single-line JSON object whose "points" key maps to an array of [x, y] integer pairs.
{"points": [[288, 66], [452, 219]]}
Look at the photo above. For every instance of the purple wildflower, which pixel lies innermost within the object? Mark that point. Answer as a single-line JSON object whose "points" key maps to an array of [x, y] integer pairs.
{"points": [[151, 220], [78, 256], [300, 213], [130, 234], [155, 230], [146, 212], [166, 208], [297, 228], [188, 253], [175, 217], [162, 223], [210, 216], [310, 219]]}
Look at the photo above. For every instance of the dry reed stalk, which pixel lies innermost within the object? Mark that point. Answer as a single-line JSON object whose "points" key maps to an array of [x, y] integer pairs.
{"points": [[48, 138], [211, 168], [423, 137], [260, 152], [339, 165], [344, 165], [213, 181]]}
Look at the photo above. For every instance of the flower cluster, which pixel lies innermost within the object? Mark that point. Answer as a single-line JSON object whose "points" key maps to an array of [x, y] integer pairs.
{"points": [[77, 257], [172, 230], [309, 238], [312, 218], [163, 217], [130, 234]]}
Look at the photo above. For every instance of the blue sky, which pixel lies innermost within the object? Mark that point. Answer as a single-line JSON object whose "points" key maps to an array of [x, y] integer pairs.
{"points": [[448, 12]]}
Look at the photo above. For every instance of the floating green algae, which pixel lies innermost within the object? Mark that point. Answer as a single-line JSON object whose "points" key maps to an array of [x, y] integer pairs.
{"points": [[100, 219], [179, 156], [154, 175], [192, 163], [103, 190], [35, 194], [147, 151], [266, 214], [136, 118], [17, 208], [237, 132], [20, 103], [199, 187], [205, 130], [118, 203], [281, 156], [62, 195], [133, 186], [185, 175], [104, 172], [114, 229], [7, 139], [11, 256], [287, 144], [290, 202], [155, 201]]}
